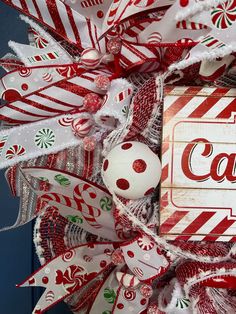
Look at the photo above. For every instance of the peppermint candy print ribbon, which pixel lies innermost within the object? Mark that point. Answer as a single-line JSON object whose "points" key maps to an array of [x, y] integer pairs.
{"points": [[89, 205], [69, 272], [28, 80], [77, 267], [120, 10], [219, 41], [36, 139]]}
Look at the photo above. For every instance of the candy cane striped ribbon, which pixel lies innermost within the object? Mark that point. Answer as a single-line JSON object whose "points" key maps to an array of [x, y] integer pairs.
{"points": [[88, 212], [61, 18]]}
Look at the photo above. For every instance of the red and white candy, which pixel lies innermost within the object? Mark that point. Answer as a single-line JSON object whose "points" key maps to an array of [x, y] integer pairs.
{"points": [[131, 170], [92, 102], [89, 143], [81, 127], [90, 58], [114, 45], [102, 82]]}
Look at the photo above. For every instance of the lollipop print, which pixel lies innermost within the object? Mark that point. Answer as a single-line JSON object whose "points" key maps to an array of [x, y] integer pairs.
{"points": [[67, 71], [65, 121], [44, 138], [129, 295], [25, 72], [224, 14], [15, 150], [50, 296], [40, 42]]}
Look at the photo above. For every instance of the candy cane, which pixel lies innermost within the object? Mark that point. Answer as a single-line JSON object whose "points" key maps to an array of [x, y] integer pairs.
{"points": [[112, 13], [58, 198], [89, 212], [90, 3], [123, 95]]}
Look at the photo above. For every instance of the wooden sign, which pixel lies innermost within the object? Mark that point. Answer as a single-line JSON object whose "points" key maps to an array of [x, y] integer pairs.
{"points": [[198, 185]]}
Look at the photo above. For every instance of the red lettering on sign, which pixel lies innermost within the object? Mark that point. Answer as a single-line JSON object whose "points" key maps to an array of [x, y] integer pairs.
{"points": [[215, 169]]}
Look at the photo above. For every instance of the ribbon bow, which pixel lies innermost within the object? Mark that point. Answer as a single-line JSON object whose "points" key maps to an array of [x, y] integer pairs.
{"points": [[125, 270], [79, 200]]}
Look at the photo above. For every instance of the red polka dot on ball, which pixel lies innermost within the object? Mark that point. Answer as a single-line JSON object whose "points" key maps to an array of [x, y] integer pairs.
{"points": [[122, 184], [105, 165], [139, 165], [130, 254], [126, 146]]}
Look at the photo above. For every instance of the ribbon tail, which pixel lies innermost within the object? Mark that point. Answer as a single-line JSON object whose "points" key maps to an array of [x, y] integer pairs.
{"points": [[69, 272]]}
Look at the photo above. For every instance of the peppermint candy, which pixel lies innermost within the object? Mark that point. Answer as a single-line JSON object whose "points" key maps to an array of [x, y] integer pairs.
{"points": [[44, 138], [81, 127], [90, 58], [15, 150], [224, 15], [106, 203]]}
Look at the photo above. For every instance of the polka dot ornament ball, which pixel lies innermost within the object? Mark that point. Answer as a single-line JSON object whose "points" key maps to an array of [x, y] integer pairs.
{"points": [[131, 170]]}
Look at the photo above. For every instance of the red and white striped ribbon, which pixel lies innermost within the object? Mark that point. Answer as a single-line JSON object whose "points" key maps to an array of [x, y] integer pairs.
{"points": [[58, 16]]}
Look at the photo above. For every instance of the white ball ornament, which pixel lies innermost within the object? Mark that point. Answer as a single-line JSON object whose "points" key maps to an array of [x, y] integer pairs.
{"points": [[131, 170], [90, 58]]}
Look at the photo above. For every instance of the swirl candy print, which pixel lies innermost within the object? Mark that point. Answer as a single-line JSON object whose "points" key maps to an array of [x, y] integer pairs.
{"points": [[44, 138], [106, 203], [224, 15], [15, 150]]}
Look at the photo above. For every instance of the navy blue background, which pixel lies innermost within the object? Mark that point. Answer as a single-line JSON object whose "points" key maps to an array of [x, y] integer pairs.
{"points": [[17, 252]]}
